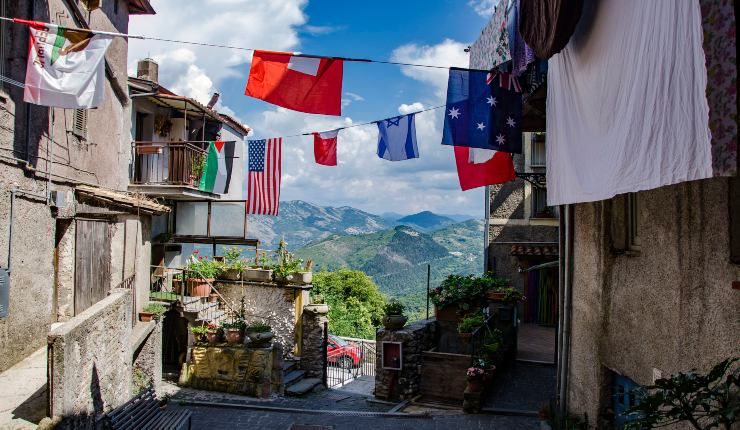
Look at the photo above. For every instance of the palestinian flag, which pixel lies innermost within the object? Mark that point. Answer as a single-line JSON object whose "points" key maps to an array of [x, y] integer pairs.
{"points": [[66, 67], [217, 172]]}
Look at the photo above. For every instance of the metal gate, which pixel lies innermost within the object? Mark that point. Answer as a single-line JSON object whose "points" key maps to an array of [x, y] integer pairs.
{"points": [[347, 359], [92, 263]]}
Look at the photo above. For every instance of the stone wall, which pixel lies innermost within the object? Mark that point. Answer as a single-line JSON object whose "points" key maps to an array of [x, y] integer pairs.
{"points": [[668, 307], [146, 345], [272, 303], [237, 370], [405, 383], [312, 339], [90, 359]]}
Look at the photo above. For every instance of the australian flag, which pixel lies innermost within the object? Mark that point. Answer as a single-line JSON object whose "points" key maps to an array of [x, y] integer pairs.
{"points": [[484, 110]]}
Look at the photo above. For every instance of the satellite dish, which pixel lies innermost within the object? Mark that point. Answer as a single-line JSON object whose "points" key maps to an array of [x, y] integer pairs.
{"points": [[4, 292]]}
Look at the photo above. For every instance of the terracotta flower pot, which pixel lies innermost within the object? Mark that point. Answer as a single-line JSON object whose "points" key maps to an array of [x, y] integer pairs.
{"points": [[447, 313], [145, 316], [212, 337], [199, 287], [475, 384], [233, 336], [496, 296]]}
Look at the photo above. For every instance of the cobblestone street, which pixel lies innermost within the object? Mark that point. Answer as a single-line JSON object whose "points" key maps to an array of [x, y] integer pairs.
{"points": [[233, 418]]}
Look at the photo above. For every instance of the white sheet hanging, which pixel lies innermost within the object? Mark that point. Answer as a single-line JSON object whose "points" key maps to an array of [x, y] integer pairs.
{"points": [[626, 104]]}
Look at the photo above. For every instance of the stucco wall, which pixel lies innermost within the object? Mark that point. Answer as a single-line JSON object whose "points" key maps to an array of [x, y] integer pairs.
{"points": [[90, 358], [669, 307], [266, 302]]}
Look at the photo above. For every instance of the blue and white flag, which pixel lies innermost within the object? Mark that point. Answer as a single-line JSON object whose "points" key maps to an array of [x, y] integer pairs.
{"points": [[397, 138], [484, 110]]}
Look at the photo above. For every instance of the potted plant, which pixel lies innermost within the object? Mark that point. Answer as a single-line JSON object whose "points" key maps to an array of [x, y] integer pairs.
{"points": [[201, 273], [234, 331], [287, 265], [475, 376], [260, 271], [305, 276], [199, 332], [260, 334], [212, 334], [199, 164], [317, 305], [468, 324], [152, 311], [233, 264], [507, 294], [394, 318]]}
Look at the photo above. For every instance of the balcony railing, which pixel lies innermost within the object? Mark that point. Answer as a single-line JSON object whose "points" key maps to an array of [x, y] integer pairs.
{"points": [[168, 163]]}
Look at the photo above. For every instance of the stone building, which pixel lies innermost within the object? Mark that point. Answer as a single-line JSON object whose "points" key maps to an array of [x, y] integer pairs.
{"points": [[75, 243], [523, 231]]}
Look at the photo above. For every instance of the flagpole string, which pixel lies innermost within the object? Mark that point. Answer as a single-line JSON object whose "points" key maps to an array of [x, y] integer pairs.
{"points": [[366, 123], [241, 48]]}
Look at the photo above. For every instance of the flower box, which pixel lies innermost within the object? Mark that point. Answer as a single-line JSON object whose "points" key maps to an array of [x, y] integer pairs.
{"points": [[199, 287], [447, 313]]}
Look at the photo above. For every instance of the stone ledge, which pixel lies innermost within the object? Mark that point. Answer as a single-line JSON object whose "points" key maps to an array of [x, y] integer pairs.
{"points": [[266, 284], [140, 332], [93, 311]]}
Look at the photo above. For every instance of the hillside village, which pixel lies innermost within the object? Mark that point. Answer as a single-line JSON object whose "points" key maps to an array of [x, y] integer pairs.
{"points": [[547, 239]]}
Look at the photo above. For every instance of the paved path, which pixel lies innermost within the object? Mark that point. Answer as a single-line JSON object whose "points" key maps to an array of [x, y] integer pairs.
{"points": [[522, 387], [536, 343], [213, 418], [23, 393]]}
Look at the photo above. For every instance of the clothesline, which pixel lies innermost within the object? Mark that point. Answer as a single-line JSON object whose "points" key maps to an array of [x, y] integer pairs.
{"points": [[368, 123], [240, 48]]}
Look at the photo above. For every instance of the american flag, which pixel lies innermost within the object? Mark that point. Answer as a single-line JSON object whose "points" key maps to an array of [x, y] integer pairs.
{"points": [[263, 181]]}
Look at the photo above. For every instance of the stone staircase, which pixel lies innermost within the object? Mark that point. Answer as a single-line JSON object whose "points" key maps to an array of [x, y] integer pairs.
{"points": [[295, 380], [201, 311]]}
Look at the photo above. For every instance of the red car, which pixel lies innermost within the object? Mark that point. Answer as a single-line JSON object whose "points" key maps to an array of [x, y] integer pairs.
{"points": [[341, 353]]}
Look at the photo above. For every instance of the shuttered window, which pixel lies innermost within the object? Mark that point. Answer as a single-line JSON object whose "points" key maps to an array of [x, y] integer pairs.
{"points": [[79, 126]]}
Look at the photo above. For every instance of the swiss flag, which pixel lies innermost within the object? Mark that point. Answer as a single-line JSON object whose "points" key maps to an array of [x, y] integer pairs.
{"points": [[325, 147], [305, 84], [479, 167]]}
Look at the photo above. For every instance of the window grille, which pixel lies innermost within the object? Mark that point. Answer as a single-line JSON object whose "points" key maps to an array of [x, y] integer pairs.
{"points": [[538, 154]]}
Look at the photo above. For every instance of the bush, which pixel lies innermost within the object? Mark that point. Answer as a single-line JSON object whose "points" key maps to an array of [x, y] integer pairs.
{"points": [[156, 309], [470, 289], [470, 323], [259, 327], [355, 302]]}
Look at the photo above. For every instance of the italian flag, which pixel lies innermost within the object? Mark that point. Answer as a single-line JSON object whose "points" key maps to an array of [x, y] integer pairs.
{"points": [[217, 171], [66, 67]]}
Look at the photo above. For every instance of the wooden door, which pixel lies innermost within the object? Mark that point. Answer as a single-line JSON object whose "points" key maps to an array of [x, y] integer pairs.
{"points": [[92, 263]]}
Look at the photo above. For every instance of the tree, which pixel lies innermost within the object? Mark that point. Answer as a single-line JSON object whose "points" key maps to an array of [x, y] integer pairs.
{"points": [[355, 302]]}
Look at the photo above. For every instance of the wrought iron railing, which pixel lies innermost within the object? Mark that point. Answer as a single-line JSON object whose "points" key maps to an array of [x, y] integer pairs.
{"points": [[478, 338], [168, 163], [349, 360]]}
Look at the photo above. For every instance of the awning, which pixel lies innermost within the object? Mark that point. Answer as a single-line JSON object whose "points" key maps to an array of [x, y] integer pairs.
{"points": [[134, 202], [549, 264]]}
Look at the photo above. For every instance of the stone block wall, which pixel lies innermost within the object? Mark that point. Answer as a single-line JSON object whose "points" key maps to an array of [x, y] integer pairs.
{"points": [[147, 352], [312, 339], [405, 383], [272, 303], [237, 370], [90, 359]]}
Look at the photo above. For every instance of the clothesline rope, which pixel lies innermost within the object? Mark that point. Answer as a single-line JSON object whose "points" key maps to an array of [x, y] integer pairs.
{"points": [[241, 48]]}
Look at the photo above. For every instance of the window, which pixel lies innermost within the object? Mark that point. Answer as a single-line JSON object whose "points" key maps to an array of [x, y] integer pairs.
{"points": [[211, 219], [538, 154], [539, 204], [633, 230], [79, 123]]}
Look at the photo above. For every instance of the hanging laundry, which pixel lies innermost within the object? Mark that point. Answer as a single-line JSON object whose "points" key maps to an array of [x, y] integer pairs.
{"points": [[66, 67], [264, 174], [521, 53], [492, 47], [484, 110], [397, 138], [547, 25], [479, 167], [325, 147], [219, 161], [304, 84]]}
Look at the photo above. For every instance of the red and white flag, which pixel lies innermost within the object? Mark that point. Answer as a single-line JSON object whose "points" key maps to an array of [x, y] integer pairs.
{"points": [[304, 84], [263, 178], [479, 167], [325, 147]]}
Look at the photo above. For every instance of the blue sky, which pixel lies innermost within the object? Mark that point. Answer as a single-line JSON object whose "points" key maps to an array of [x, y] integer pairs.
{"points": [[428, 32]]}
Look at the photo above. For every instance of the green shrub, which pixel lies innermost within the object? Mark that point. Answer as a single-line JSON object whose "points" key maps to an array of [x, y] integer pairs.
{"points": [[259, 327], [470, 323], [394, 307], [156, 309]]}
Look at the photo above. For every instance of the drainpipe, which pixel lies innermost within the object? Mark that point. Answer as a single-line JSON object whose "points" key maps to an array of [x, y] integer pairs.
{"points": [[10, 232], [565, 305], [486, 238]]}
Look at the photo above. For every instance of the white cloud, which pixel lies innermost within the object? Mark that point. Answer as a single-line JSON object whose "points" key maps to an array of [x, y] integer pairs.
{"points": [[449, 53], [483, 8]]}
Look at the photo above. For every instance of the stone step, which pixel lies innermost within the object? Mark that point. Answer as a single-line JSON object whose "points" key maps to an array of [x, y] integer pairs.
{"points": [[289, 365], [197, 307], [214, 316], [186, 300], [293, 377], [302, 387]]}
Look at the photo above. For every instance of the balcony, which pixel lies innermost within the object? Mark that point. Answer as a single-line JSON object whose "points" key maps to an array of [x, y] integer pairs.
{"points": [[169, 169]]}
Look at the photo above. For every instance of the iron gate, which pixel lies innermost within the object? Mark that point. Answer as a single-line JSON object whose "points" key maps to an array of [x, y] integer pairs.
{"points": [[347, 359]]}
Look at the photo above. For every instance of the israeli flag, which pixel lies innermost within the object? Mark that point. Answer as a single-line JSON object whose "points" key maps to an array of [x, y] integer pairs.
{"points": [[397, 138]]}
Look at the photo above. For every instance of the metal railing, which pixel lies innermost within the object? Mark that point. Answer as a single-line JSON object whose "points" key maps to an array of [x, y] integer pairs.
{"points": [[348, 359], [168, 163], [478, 338]]}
